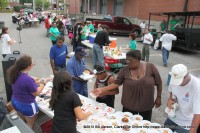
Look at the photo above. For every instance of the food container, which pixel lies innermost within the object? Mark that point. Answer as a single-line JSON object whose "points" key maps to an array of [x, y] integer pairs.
{"points": [[91, 38]]}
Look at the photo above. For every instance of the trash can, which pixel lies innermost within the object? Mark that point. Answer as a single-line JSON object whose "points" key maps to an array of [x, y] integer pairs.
{"points": [[2, 24], [8, 61]]}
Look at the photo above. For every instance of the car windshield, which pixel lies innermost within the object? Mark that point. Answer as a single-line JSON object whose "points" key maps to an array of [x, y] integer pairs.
{"points": [[108, 17]]}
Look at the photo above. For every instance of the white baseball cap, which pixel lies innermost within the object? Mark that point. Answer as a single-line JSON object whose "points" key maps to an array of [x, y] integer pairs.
{"points": [[178, 73]]}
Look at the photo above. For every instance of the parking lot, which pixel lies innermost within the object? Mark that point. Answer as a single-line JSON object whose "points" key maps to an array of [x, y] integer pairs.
{"points": [[35, 44]]}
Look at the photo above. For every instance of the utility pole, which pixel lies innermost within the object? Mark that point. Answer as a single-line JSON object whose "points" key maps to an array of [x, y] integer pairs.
{"points": [[33, 5], [57, 6], [43, 4], [64, 5]]}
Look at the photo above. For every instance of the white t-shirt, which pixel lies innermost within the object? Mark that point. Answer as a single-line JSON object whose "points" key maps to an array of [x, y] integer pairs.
{"points": [[188, 97], [166, 40], [68, 21], [142, 25], [148, 36], [5, 47]]}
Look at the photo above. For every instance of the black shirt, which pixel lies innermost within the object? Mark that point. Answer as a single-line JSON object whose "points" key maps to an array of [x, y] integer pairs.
{"points": [[75, 31], [64, 119], [60, 25], [102, 38], [79, 33], [107, 99]]}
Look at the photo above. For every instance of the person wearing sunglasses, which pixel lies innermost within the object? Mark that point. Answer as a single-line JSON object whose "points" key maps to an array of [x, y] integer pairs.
{"points": [[103, 79]]}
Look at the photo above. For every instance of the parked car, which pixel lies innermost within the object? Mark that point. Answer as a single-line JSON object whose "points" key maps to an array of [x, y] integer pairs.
{"points": [[28, 10], [118, 24], [9, 7]]}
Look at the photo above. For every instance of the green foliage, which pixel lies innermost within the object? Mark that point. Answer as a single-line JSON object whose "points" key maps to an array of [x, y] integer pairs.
{"points": [[38, 3], [3, 4], [17, 8], [46, 4]]}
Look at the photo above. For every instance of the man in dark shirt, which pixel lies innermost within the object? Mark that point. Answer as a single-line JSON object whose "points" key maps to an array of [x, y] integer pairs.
{"points": [[75, 36], [60, 26], [102, 39]]}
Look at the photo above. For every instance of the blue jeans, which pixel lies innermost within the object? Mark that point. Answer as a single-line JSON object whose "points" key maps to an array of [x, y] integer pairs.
{"points": [[97, 55], [165, 56], [47, 34], [174, 127]]}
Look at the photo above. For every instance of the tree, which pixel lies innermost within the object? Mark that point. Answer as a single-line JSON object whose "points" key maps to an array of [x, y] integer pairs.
{"points": [[38, 3], [3, 4], [46, 4]]}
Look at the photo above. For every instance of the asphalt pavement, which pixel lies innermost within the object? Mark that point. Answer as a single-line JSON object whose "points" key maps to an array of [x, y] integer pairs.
{"points": [[35, 44]]}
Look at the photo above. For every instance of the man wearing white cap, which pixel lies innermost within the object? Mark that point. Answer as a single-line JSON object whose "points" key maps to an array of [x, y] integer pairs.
{"points": [[186, 88]]}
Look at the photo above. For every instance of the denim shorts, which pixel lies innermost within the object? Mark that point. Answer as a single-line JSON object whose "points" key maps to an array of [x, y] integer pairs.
{"points": [[27, 109]]}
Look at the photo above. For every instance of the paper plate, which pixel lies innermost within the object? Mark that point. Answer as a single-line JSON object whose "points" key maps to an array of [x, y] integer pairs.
{"points": [[137, 117], [109, 110], [86, 77], [166, 130], [127, 114]]}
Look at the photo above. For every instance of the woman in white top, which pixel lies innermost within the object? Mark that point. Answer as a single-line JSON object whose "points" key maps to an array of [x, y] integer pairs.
{"points": [[5, 42]]}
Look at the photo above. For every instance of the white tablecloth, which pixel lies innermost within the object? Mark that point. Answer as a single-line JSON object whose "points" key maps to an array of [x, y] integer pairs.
{"points": [[87, 44], [123, 56], [11, 130]]}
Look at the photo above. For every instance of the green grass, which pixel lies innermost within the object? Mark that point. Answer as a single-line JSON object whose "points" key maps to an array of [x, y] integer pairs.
{"points": [[6, 11]]}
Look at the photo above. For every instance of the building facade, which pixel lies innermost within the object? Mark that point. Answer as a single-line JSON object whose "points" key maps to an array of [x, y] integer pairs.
{"points": [[139, 9]]}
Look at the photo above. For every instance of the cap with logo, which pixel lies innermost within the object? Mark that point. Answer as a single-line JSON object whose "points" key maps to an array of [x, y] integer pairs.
{"points": [[178, 73], [80, 50]]}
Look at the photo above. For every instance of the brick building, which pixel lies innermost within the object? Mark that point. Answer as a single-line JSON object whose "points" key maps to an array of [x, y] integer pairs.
{"points": [[138, 9]]}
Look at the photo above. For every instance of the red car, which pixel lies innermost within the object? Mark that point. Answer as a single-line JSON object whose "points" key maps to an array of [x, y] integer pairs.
{"points": [[117, 24]]}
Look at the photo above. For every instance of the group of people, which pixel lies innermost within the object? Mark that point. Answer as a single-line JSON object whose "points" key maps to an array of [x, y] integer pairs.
{"points": [[135, 76], [60, 25], [139, 79], [56, 25], [23, 19], [165, 41], [81, 32]]}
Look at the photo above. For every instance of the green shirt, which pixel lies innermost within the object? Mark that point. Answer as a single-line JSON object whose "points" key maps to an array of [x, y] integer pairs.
{"points": [[98, 31], [55, 31], [91, 28], [163, 26], [173, 22], [132, 45], [83, 36]]}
